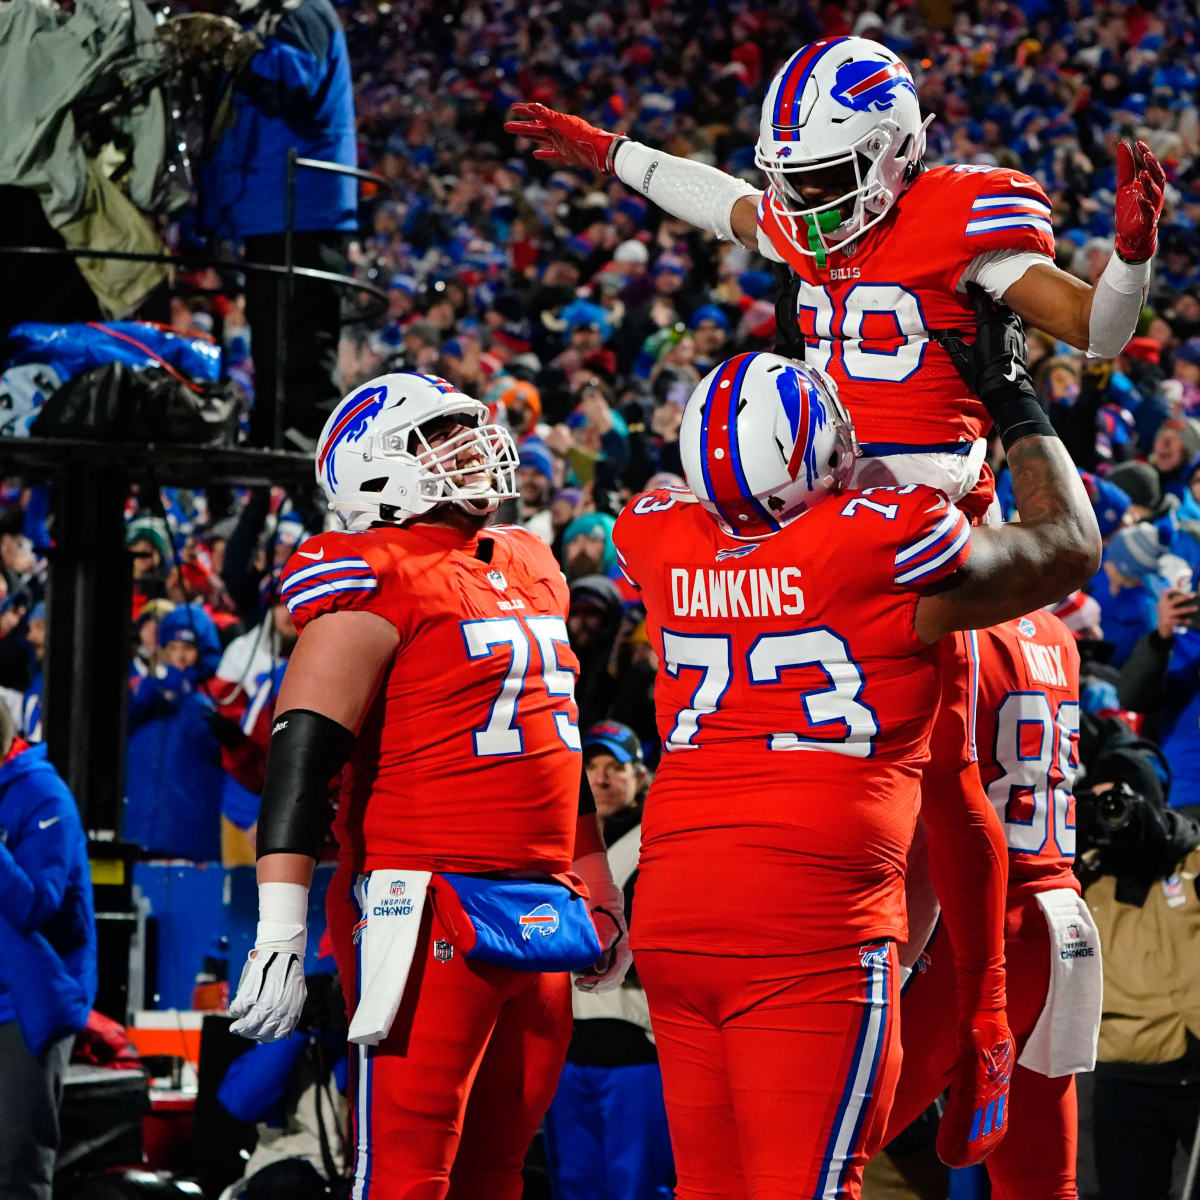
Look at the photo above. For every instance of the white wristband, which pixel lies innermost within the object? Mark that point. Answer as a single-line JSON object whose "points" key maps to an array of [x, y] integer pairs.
{"points": [[282, 916], [692, 191], [1116, 306]]}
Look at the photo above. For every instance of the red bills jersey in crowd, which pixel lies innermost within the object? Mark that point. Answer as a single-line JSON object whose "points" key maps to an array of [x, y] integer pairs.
{"points": [[794, 701], [1027, 731], [469, 758], [866, 315]]}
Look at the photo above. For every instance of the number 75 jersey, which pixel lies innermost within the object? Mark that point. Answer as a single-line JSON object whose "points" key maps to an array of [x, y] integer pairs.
{"points": [[793, 695], [469, 757]]}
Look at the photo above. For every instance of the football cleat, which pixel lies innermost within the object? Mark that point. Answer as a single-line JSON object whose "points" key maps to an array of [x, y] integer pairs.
{"points": [[976, 1116]]}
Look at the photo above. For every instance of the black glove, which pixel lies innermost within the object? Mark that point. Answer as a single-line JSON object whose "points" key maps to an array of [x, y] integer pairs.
{"points": [[228, 733], [995, 367]]}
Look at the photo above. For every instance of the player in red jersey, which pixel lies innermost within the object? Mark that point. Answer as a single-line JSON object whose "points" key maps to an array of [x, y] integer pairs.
{"points": [[433, 668], [790, 619], [883, 251], [1027, 730]]}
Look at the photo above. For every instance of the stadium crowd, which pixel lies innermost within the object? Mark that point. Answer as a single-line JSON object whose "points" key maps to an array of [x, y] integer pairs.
{"points": [[584, 318]]}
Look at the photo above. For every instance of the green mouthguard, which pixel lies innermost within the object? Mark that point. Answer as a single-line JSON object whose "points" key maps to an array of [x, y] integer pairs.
{"points": [[826, 222]]}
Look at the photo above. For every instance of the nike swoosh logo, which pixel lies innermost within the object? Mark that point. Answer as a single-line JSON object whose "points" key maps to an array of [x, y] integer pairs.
{"points": [[320, 554], [47, 823], [1012, 366], [1021, 183]]}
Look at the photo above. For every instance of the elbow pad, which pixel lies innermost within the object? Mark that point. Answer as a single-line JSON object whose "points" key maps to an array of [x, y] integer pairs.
{"points": [[692, 191], [307, 750], [1116, 305]]}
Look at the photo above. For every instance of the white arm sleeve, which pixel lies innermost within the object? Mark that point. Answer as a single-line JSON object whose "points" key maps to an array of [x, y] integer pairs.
{"points": [[997, 270], [1116, 306], [692, 191]]}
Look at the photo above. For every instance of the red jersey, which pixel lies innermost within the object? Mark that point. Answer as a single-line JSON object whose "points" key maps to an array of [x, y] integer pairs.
{"points": [[794, 701], [1027, 737], [866, 316], [469, 758]]}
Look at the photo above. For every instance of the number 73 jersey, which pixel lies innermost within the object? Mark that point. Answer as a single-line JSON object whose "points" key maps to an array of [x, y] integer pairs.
{"points": [[469, 757], [794, 701]]}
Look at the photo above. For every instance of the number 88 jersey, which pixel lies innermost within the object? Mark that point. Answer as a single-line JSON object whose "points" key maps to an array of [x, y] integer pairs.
{"points": [[1027, 738]]}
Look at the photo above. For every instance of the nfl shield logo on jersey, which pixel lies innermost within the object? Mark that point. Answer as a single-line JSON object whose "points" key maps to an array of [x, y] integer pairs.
{"points": [[443, 951], [397, 888], [497, 580]]}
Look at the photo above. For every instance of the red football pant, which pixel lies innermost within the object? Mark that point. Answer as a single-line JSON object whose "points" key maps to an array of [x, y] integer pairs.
{"points": [[778, 1072], [1036, 1160], [447, 1104]]}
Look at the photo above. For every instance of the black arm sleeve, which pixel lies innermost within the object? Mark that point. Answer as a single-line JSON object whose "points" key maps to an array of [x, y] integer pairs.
{"points": [[1140, 687], [307, 750], [587, 802]]}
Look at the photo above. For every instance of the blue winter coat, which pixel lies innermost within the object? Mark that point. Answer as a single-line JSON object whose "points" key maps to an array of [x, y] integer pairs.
{"points": [[1179, 728], [47, 924], [173, 774], [295, 92]]}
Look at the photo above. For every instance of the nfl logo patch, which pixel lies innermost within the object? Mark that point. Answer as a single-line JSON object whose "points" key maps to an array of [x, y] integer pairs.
{"points": [[397, 888], [443, 951], [497, 580], [1073, 933]]}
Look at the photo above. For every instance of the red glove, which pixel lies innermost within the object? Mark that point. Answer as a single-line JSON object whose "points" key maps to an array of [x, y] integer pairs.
{"points": [[976, 1116], [565, 139], [1140, 182]]}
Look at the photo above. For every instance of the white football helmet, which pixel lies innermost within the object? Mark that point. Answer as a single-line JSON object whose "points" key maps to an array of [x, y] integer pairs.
{"points": [[764, 439], [375, 453], [843, 112]]}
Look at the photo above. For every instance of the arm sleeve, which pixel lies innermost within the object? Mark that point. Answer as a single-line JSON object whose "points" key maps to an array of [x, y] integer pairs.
{"points": [[936, 544], [33, 878], [329, 574]]}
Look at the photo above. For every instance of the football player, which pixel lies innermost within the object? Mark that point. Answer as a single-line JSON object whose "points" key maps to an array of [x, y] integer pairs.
{"points": [[882, 251], [794, 617], [433, 670], [1027, 732]]}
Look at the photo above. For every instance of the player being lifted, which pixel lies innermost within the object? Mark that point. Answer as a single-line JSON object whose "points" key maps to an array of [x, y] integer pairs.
{"points": [[792, 617], [433, 666], [882, 251]]}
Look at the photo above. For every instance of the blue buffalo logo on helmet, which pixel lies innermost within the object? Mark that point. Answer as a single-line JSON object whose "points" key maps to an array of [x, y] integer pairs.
{"points": [[806, 414], [352, 423], [783, 152], [870, 86]]}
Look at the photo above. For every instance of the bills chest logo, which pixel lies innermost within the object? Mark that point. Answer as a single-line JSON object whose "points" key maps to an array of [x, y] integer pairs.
{"points": [[497, 580], [737, 552], [1025, 628], [352, 423], [544, 919], [870, 86], [397, 887]]}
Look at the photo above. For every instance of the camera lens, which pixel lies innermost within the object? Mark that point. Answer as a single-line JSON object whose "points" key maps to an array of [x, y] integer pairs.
{"points": [[1114, 810]]}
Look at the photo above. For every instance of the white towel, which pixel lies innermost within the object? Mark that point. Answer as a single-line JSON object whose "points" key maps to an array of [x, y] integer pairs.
{"points": [[1063, 1041], [390, 904]]}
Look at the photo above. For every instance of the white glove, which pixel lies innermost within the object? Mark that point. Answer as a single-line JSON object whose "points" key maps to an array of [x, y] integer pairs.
{"points": [[606, 903], [271, 991]]}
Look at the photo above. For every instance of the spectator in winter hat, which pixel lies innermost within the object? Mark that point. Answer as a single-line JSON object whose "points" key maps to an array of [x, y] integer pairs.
{"points": [[1139, 481], [1109, 503], [1176, 443], [1127, 599], [1187, 371], [710, 331], [402, 298], [535, 478], [1080, 613], [588, 546]]}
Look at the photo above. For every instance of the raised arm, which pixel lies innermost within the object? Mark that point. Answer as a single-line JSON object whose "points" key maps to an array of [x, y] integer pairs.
{"points": [[1101, 319], [1056, 546], [691, 191]]}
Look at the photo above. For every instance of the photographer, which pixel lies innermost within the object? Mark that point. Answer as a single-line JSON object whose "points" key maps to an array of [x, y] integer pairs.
{"points": [[1162, 678], [1139, 862]]}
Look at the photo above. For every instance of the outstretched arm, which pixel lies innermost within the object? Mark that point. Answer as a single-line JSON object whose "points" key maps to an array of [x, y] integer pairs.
{"points": [[692, 191], [1101, 319]]}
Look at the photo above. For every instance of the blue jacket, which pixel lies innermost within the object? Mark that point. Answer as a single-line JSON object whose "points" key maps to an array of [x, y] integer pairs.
{"points": [[295, 92], [1179, 730], [173, 774], [47, 924], [1124, 615]]}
